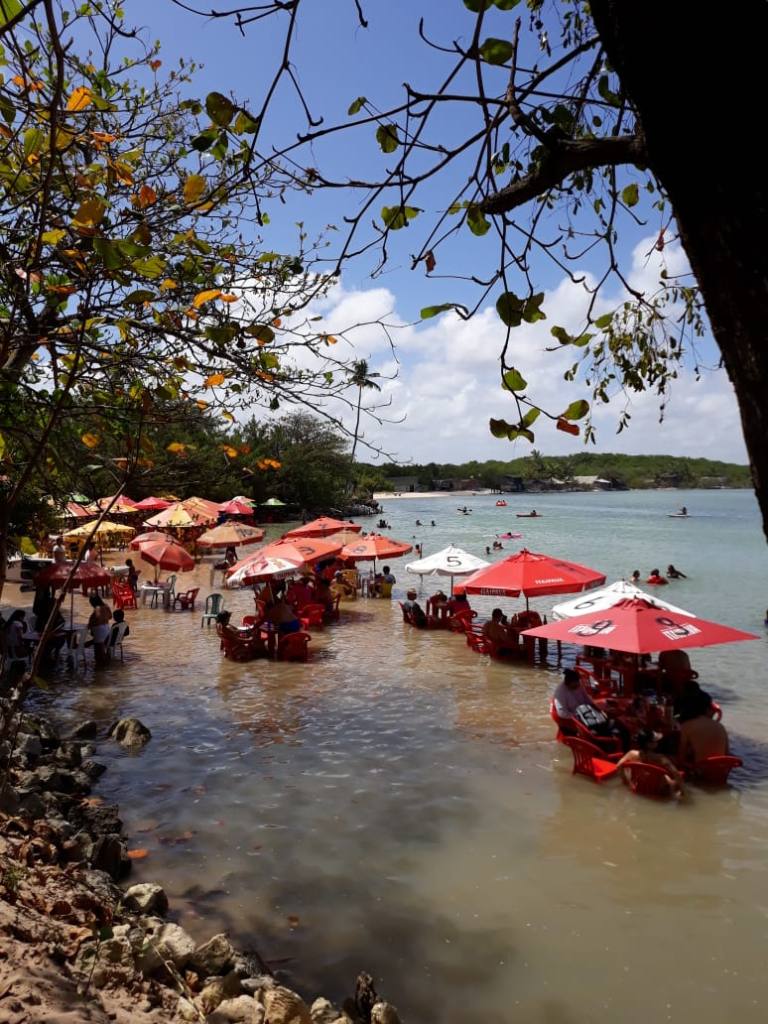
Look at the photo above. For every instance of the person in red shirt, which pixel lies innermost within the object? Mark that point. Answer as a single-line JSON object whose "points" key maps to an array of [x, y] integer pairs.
{"points": [[656, 579], [300, 594]]}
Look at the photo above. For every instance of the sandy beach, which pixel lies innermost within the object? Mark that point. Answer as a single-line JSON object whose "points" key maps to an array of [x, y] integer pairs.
{"points": [[383, 495]]}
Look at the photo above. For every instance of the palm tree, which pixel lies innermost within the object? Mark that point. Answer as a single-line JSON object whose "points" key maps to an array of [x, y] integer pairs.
{"points": [[360, 377]]}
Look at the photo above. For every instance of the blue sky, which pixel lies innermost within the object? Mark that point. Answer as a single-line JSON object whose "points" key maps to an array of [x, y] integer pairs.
{"points": [[447, 383]]}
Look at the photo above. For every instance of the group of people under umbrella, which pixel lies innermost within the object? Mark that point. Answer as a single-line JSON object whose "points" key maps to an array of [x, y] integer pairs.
{"points": [[621, 713]]}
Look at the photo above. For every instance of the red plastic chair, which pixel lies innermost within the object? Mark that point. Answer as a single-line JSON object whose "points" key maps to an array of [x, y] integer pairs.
{"points": [[647, 779], [573, 727], [461, 621], [312, 615], [714, 770], [715, 711], [239, 648], [589, 760], [187, 599], [293, 647], [478, 643]]}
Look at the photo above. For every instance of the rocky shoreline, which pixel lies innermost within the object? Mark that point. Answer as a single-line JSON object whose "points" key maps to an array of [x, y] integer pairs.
{"points": [[76, 947]]}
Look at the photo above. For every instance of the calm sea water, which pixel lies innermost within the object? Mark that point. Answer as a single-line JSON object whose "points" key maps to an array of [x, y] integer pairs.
{"points": [[398, 805]]}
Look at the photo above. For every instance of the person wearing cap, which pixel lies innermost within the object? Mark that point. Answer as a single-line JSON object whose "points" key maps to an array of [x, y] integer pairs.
{"points": [[645, 752]]}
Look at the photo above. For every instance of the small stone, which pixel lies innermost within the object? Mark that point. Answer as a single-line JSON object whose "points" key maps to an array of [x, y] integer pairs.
{"points": [[93, 769], [9, 800], [31, 805], [285, 1007], [241, 1010], [323, 1011], [78, 848], [384, 1013], [129, 733], [169, 942], [146, 898], [257, 985], [211, 995], [70, 755], [85, 731], [41, 727], [214, 956], [187, 1010], [110, 855], [29, 745]]}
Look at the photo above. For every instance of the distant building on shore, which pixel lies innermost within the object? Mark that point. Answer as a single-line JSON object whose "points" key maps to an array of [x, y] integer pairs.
{"points": [[405, 484]]}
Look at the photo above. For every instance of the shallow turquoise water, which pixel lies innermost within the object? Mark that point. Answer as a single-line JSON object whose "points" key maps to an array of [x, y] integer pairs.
{"points": [[398, 805]]}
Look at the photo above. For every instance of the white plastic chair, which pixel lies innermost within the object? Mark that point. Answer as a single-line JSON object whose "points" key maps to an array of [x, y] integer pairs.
{"points": [[77, 645], [116, 638]]}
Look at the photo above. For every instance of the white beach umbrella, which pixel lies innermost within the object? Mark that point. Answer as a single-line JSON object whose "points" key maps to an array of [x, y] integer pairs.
{"points": [[608, 597], [451, 561]]}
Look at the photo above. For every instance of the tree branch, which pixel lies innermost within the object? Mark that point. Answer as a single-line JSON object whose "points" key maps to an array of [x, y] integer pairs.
{"points": [[567, 157]]}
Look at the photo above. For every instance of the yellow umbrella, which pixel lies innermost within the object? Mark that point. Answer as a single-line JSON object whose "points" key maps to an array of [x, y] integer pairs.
{"points": [[101, 531]]}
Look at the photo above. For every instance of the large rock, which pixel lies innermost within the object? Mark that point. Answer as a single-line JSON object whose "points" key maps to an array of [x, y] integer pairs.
{"points": [[70, 755], [323, 1011], [258, 985], [384, 1013], [93, 769], [102, 886], [187, 1011], [41, 727], [241, 1010], [57, 779], [85, 731], [130, 733], [169, 942], [214, 956], [146, 898], [285, 1007]]}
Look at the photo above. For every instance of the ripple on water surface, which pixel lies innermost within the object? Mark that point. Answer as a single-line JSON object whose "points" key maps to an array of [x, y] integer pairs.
{"points": [[398, 804]]}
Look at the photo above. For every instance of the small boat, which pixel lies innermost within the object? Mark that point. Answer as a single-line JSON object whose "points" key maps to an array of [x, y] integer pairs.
{"points": [[510, 536], [528, 515], [501, 504], [678, 515]]}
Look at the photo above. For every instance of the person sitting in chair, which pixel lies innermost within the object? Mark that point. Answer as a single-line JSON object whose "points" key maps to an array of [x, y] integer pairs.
{"points": [[645, 752], [497, 632], [118, 616], [283, 617], [413, 612], [572, 701]]}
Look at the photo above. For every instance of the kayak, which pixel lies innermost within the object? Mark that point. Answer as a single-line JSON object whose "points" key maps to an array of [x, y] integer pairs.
{"points": [[527, 515], [510, 536], [677, 515]]}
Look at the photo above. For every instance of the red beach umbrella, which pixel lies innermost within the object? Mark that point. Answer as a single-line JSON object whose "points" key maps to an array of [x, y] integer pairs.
{"points": [[87, 575], [152, 504], [639, 627], [167, 554], [258, 567], [236, 507], [532, 575], [303, 549], [148, 538], [322, 527], [368, 549]]}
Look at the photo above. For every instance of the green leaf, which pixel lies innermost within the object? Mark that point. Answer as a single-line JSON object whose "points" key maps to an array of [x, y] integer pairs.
{"points": [[576, 410], [430, 311], [478, 225], [152, 267], [2, 446], [219, 108], [510, 309], [245, 124], [139, 296], [110, 253], [532, 308], [530, 417], [386, 136], [357, 105], [605, 91], [7, 109], [204, 140], [496, 51], [630, 195], [506, 5], [268, 257], [513, 380], [604, 321], [8, 9], [262, 332], [396, 217], [54, 237], [499, 428], [478, 5], [34, 139]]}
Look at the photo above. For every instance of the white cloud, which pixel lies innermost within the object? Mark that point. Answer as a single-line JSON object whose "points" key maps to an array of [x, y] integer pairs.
{"points": [[448, 382]]}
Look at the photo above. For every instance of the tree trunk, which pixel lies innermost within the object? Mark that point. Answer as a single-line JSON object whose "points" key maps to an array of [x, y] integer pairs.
{"points": [[697, 81]]}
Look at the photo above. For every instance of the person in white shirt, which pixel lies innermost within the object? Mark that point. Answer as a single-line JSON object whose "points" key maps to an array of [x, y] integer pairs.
{"points": [[59, 554]]}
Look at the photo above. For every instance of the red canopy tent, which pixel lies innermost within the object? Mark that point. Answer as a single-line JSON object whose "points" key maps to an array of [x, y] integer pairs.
{"points": [[639, 627], [322, 527], [532, 575]]}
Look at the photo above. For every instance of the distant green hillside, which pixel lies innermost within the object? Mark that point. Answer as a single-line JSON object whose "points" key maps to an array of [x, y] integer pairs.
{"points": [[635, 471]]}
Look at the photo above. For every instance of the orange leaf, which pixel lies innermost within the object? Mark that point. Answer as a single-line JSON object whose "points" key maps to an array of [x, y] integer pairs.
{"points": [[229, 451], [90, 440], [330, 340], [176, 447], [81, 98], [194, 188], [146, 197], [568, 428], [277, 322], [138, 854], [214, 380], [202, 297], [155, 64], [102, 138], [229, 298], [168, 285], [201, 403]]}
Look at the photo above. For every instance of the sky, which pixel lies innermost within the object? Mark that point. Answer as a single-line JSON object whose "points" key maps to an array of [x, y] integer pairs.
{"points": [[442, 381]]}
